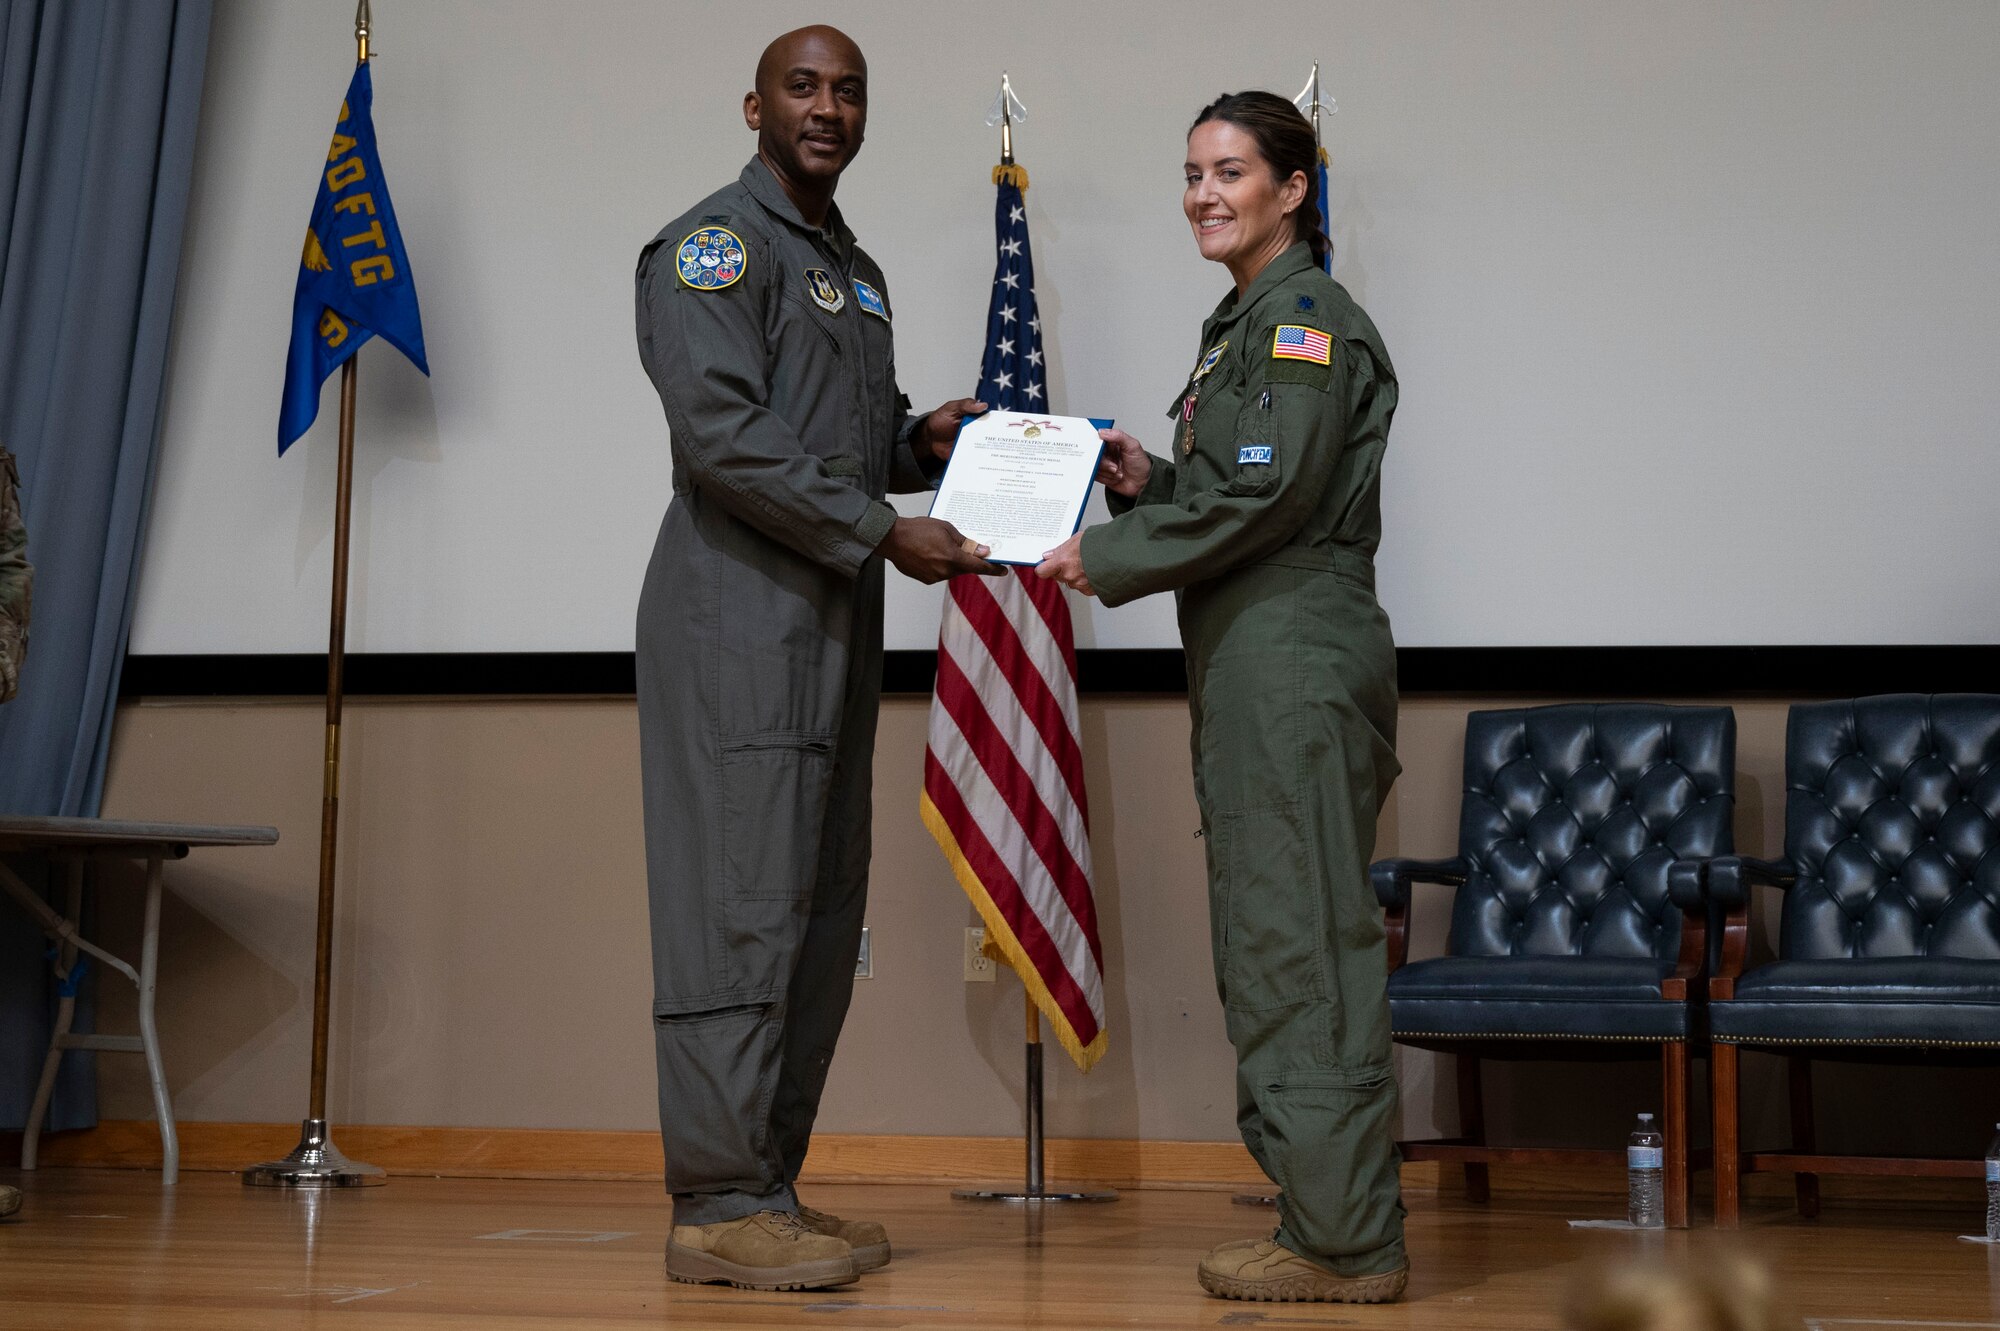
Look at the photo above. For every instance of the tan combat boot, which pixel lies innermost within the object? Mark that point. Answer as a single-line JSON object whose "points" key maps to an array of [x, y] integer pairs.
{"points": [[1266, 1271], [869, 1240], [768, 1250]]}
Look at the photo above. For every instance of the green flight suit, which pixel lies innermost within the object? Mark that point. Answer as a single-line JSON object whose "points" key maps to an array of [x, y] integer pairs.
{"points": [[1266, 530], [760, 672]]}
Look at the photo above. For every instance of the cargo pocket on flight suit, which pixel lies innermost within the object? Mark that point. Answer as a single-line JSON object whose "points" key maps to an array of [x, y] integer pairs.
{"points": [[1272, 942], [773, 802]]}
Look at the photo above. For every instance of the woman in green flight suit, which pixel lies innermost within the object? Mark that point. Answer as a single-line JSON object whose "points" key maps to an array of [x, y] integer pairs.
{"points": [[1264, 524]]}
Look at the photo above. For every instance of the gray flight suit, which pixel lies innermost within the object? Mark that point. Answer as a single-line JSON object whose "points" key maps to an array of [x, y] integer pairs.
{"points": [[759, 673], [1265, 526]]}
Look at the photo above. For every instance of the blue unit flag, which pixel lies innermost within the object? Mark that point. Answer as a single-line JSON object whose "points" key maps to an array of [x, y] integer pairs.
{"points": [[1325, 213], [354, 278]]}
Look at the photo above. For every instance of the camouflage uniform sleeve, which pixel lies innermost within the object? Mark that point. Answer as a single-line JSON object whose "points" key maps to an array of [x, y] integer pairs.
{"points": [[16, 579]]}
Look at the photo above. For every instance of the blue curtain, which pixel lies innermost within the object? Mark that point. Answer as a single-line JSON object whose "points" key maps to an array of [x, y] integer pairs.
{"points": [[99, 101]]}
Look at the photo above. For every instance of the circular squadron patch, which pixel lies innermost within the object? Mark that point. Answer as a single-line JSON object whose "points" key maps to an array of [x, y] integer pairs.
{"points": [[711, 258]]}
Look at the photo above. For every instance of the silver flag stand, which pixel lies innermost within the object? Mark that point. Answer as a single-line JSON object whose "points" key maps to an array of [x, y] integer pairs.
{"points": [[314, 1163], [1035, 1189]]}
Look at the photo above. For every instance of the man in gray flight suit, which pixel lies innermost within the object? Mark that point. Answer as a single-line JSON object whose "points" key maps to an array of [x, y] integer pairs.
{"points": [[766, 331]]}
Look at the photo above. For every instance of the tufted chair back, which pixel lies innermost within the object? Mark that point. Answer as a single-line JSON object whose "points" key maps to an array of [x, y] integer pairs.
{"points": [[1572, 815], [1892, 819]]}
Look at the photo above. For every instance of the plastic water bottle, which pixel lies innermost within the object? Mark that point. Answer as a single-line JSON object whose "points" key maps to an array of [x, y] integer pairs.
{"points": [[1646, 1176], [1993, 1187]]}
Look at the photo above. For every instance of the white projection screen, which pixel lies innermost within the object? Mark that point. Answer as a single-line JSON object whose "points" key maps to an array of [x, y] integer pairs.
{"points": [[1695, 307]]}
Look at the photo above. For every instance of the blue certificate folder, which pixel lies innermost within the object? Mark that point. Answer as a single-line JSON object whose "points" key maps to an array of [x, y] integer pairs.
{"points": [[1083, 501]]}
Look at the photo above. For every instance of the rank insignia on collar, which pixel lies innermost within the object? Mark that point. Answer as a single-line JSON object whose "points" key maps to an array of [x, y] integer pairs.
{"points": [[824, 293], [710, 259], [871, 301], [1208, 361]]}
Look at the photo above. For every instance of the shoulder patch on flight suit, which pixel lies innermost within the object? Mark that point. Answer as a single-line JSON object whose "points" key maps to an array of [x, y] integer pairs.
{"points": [[711, 259], [1251, 454], [1302, 342], [870, 300], [1300, 354], [824, 293]]}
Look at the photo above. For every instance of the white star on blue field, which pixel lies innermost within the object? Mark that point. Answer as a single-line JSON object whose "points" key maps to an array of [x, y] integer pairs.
{"points": [[1010, 375]]}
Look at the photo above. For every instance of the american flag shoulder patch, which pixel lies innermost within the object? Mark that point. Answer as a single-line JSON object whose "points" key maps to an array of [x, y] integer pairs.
{"points": [[1298, 342]]}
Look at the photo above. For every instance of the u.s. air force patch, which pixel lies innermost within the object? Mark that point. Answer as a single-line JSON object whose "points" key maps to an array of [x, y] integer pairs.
{"points": [[824, 293], [711, 259]]}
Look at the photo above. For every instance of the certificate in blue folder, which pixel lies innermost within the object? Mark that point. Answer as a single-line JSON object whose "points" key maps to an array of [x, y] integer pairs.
{"points": [[1017, 481]]}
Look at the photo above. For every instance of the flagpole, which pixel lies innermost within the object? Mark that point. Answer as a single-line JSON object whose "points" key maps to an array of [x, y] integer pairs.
{"points": [[1034, 1187], [1034, 1085], [1310, 102], [316, 1162]]}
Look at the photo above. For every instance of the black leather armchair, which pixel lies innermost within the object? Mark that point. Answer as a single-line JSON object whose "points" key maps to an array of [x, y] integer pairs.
{"points": [[1889, 941], [1568, 939]]}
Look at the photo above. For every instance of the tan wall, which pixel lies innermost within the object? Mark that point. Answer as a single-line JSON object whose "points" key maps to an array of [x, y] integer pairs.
{"points": [[492, 967]]}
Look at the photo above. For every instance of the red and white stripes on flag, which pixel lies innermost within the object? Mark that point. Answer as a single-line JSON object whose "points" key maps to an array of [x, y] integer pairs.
{"points": [[1003, 792]]}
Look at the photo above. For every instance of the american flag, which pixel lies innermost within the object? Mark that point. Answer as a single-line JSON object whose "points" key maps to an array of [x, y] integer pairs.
{"points": [[1296, 342], [1003, 775]]}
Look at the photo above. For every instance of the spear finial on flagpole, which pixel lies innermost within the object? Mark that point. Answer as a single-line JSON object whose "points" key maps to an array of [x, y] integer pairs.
{"points": [[361, 29], [1311, 103], [1006, 110]]}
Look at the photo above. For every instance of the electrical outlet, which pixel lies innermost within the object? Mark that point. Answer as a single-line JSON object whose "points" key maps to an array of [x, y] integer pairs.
{"points": [[979, 968], [864, 965]]}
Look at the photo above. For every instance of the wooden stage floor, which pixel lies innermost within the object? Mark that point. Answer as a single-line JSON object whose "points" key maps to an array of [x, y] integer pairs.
{"points": [[98, 1248]]}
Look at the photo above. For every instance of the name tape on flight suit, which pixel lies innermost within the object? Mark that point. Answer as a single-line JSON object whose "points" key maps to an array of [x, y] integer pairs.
{"points": [[871, 301]]}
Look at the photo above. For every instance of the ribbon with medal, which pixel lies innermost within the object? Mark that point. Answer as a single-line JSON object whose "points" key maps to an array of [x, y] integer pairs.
{"points": [[1194, 395]]}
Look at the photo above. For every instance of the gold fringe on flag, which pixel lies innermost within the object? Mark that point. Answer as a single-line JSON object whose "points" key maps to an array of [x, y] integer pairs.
{"points": [[1324, 160], [1011, 173], [1000, 936]]}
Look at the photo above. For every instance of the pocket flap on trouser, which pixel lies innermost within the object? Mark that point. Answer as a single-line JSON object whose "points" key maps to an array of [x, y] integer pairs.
{"points": [[1329, 1079], [774, 791], [1272, 946]]}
